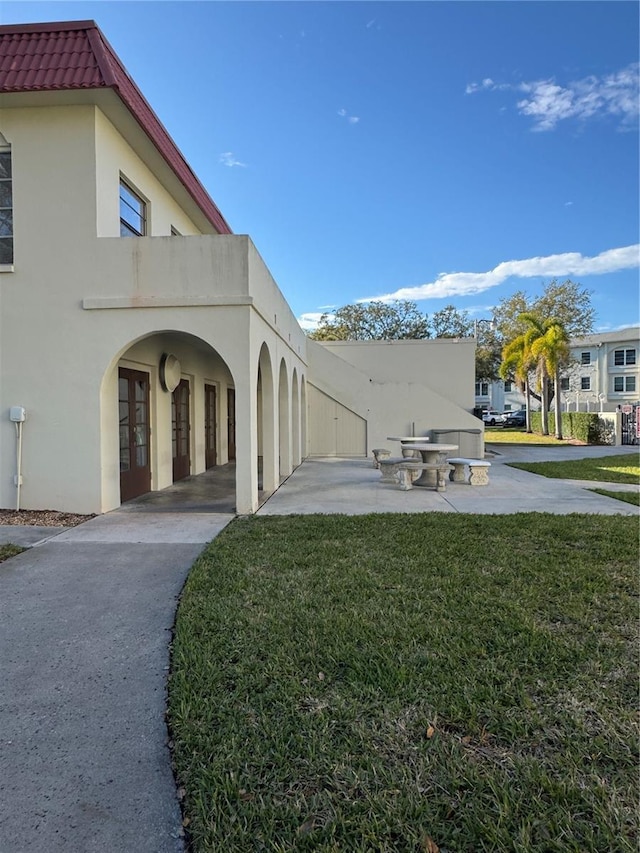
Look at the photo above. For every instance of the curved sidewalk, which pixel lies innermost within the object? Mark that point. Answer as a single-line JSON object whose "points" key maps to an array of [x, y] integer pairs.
{"points": [[85, 623]]}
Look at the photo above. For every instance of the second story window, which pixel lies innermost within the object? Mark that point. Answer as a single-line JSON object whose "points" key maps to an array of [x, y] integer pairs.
{"points": [[133, 213], [6, 206], [564, 383], [586, 358], [624, 356], [585, 383], [624, 383]]}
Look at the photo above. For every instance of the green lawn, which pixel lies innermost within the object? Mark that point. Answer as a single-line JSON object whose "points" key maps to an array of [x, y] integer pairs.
{"points": [[609, 469], [7, 551], [500, 435], [394, 682], [627, 497]]}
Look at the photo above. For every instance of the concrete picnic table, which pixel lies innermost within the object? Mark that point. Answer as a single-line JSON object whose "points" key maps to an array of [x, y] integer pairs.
{"points": [[431, 454], [408, 439]]}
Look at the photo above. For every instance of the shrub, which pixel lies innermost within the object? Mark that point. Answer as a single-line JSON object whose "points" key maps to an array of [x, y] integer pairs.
{"points": [[584, 426]]}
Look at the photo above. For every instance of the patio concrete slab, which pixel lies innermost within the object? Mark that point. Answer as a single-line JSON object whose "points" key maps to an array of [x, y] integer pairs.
{"points": [[353, 487]]}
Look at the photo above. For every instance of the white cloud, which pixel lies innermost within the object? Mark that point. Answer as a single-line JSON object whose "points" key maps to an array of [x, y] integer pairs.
{"points": [[487, 83], [351, 119], [228, 158], [549, 103], [310, 321], [552, 266]]}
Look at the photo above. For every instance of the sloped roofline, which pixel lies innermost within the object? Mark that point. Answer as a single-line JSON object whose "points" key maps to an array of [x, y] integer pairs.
{"points": [[25, 68]]}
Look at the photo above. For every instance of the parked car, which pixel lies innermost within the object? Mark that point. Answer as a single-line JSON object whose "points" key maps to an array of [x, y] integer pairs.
{"points": [[492, 418], [515, 419]]}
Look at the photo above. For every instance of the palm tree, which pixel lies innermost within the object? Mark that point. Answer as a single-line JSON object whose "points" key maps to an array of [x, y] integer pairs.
{"points": [[517, 361], [548, 345]]}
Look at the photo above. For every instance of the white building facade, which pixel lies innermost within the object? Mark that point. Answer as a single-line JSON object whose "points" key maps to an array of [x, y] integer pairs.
{"points": [[604, 374]]}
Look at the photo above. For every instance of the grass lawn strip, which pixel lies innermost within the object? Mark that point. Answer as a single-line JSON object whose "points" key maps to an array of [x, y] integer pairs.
{"points": [[627, 497], [501, 435], [368, 683], [606, 469], [7, 551]]}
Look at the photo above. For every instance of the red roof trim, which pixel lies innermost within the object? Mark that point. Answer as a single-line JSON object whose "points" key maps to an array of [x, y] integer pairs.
{"points": [[48, 27], [105, 68], [38, 58]]}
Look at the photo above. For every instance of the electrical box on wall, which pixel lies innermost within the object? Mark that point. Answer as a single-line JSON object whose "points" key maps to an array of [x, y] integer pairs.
{"points": [[17, 414]]}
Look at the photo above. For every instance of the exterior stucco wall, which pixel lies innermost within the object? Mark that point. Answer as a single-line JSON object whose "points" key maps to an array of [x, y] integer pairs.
{"points": [[77, 305], [53, 158], [115, 158], [401, 407], [445, 365]]}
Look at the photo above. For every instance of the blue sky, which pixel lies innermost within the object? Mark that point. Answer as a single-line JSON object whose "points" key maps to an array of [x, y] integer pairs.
{"points": [[446, 152]]}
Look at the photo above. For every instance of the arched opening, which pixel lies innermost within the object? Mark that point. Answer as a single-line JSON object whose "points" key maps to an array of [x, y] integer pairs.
{"points": [[164, 416], [284, 422]]}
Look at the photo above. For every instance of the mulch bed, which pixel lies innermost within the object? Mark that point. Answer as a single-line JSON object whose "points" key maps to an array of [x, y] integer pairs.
{"points": [[42, 518]]}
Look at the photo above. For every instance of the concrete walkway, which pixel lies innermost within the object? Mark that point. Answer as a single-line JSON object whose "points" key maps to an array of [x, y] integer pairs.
{"points": [[85, 622]]}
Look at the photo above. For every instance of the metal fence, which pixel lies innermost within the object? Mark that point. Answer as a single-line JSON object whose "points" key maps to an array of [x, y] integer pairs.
{"points": [[631, 424]]}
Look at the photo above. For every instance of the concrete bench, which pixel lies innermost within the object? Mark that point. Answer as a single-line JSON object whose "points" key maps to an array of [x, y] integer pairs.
{"points": [[389, 468], [409, 471], [380, 453], [478, 471]]}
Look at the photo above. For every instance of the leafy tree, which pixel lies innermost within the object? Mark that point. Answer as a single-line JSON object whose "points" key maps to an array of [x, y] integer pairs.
{"points": [[567, 303], [373, 321], [448, 322], [488, 352]]}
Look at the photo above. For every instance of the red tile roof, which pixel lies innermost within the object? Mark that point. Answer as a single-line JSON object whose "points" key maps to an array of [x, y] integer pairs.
{"points": [[76, 55]]}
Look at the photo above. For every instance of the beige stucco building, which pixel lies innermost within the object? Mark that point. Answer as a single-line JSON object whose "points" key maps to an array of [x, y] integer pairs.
{"points": [[144, 340]]}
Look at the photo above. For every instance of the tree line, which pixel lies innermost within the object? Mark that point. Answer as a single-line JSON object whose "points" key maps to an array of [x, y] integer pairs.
{"points": [[526, 341]]}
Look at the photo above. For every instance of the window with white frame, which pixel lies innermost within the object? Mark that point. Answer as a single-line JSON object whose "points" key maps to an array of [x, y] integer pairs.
{"points": [[6, 205], [133, 212], [564, 383], [585, 383], [508, 386], [624, 356], [585, 358], [482, 389], [623, 384]]}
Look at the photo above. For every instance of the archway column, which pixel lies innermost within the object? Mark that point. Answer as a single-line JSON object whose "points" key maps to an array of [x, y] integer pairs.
{"points": [[295, 421], [284, 421], [246, 442]]}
